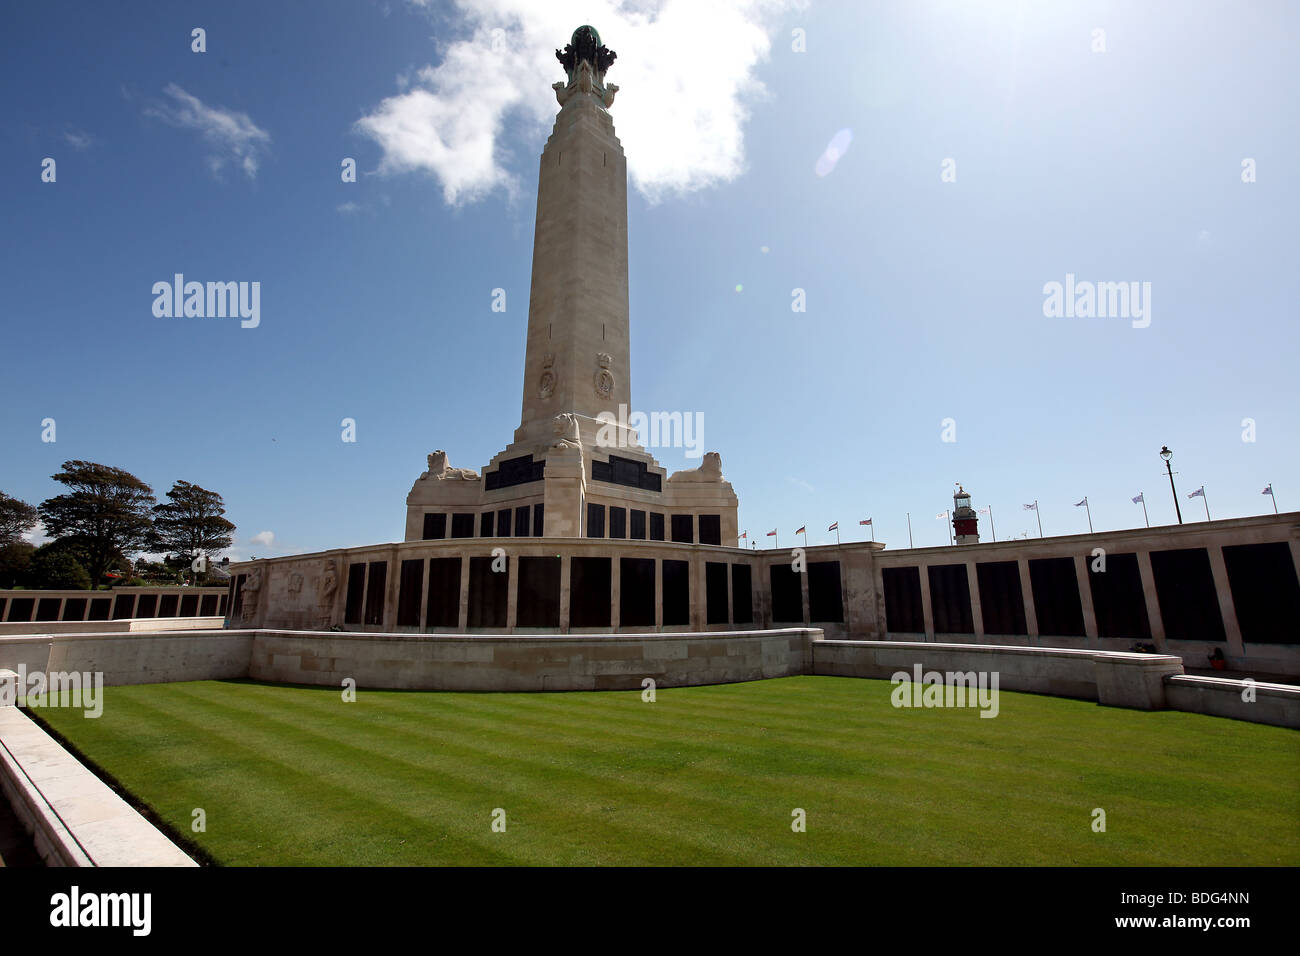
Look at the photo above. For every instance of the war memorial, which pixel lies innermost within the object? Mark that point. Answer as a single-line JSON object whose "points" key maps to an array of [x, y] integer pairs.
{"points": [[573, 561], [575, 529]]}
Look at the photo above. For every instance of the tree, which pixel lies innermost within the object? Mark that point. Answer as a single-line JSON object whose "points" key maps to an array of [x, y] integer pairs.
{"points": [[56, 568], [16, 517], [108, 509], [15, 559], [191, 521]]}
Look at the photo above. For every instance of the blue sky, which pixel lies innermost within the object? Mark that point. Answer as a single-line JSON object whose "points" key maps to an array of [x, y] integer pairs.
{"points": [[925, 298]]}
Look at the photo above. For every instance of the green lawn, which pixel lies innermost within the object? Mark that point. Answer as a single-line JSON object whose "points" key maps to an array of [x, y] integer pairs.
{"points": [[705, 775]]}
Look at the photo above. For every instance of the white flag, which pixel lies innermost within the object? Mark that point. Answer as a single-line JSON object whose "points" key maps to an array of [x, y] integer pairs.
{"points": [[984, 511], [1139, 499], [1033, 507], [1268, 490], [1198, 492], [1080, 504], [942, 514]]}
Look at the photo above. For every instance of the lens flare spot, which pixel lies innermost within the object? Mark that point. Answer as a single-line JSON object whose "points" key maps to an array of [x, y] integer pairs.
{"points": [[835, 150], [739, 287]]}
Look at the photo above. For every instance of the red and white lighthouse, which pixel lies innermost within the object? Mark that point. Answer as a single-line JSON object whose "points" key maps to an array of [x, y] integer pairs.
{"points": [[965, 521]]}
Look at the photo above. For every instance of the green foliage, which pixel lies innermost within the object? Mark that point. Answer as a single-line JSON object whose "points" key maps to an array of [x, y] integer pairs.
{"points": [[56, 568], [107, 509], [15, 559], [16, 517], [191, 521]]}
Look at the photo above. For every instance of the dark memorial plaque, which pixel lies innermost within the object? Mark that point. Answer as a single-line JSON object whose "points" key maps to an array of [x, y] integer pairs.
{"points": [[684, 528], [636, 525], [209, 607], [1056, 597], [589, 590], [539, 592], [503, 522], [444, 593], [435, 527], [626, 472], [167, 604], [487, 524], [1265, 591], [656, 526], [409, 593], [47, 609], [617, 522], [74, 609], [715, 593], [950, 599], [636, 592], [1002, 601], [147, 605], [677, 592], [20, 609], [787, 594], [356, 591], [488, 592], [539, 514], [99, 608], [595, 520], [123, 607], [710, 529], [1118, 598], [522, 514], [376, 586], [742, 594], [514, 471], [1189, 603], [462, 525], [189, 605], [825, 593]]}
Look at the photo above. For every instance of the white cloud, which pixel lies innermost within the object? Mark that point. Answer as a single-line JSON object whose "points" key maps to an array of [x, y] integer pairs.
{"points": [[686, 72], [234, 136], [263, 538], [77, 139], [36, 535]]}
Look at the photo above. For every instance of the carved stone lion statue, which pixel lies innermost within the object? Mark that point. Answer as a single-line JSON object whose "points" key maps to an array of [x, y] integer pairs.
{"points": [[710, 470], [566, 431], [439, 471]]}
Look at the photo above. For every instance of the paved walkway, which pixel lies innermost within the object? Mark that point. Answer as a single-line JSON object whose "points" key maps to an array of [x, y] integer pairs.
{"points": [[91, 825]]}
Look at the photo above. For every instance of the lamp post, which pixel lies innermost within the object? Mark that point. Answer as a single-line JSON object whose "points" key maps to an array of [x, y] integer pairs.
{"points": [[1166, 454]]}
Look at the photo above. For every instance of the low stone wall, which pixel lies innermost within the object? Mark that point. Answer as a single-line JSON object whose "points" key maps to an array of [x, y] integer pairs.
{"points": [[520, 663], [1039, 670], [620, 662], [122, 625], [152, 659], [1277, 704]]}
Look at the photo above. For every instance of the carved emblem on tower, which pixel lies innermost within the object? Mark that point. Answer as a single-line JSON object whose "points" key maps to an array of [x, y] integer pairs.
{"points": [[604, 377], [546, 384]]}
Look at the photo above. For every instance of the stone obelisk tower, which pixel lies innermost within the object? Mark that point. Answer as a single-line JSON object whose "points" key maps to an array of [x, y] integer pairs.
{"points": [[577, 351], [576, 466]]}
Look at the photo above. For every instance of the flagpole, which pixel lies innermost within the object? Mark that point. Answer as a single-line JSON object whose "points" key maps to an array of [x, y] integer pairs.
{"points": [[1206, 502], [909, 530], [1039, 515], [1088, 508], [1144, 508], [1273, 496], [991, 528], [805, 536], [947, 517], [837, 534]]}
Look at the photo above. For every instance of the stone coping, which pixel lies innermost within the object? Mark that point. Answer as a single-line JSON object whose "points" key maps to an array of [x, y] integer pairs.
{"points": [[1234, 684], [74, 817], [1024, 649]]}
